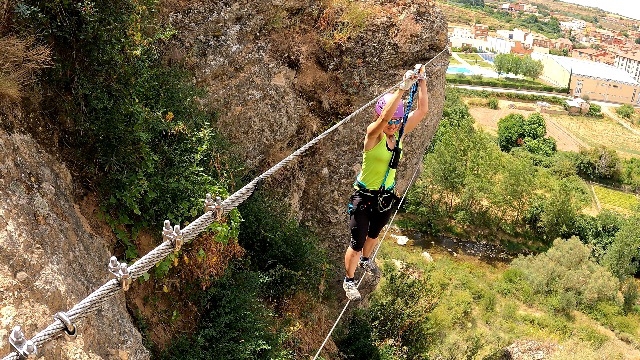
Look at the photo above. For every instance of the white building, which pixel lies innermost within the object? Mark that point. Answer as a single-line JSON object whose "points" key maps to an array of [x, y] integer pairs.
{"points": [[458, 42], [500, 45], [630, 62], [574, 24], [515, 34], [463, 32]]}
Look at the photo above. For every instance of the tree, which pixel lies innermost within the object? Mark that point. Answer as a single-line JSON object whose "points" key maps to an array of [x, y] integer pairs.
{"points": [[638, 40], [624, 253], [503, 63], [514, 130], [510, 131], [531, 68], [625, 111]]}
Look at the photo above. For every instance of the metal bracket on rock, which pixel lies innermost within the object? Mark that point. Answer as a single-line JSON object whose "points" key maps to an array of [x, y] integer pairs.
{"points": [[121, 272], [26, 349], [70, 331]]}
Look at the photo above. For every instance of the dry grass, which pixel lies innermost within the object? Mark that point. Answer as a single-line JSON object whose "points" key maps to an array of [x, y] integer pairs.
{"points": [[20, 61], [605, 131]]}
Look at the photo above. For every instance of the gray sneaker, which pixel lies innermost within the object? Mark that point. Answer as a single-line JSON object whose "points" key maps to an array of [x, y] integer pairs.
{"points": [[369, 266], [351, 288]]}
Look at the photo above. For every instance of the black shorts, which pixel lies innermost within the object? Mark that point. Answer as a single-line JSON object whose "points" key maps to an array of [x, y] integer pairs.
{"points": [[365, 219]]}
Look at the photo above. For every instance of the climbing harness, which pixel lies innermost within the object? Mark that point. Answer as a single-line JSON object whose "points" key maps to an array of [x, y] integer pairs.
{"points": [[123, 275]]}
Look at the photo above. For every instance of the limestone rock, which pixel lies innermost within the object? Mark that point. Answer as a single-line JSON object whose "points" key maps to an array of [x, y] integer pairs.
{"points": [[280, 72], [529, 350], [50, 259]]}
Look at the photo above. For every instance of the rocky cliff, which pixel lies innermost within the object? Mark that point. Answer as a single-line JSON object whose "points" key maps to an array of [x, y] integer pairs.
{"points": [[51, 258], [279, 72]]}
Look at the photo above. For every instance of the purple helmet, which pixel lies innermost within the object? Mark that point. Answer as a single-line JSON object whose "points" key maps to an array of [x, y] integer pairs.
{"points": [[383, 101]]}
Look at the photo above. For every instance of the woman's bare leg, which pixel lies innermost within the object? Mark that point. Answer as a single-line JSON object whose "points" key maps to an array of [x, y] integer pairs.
{"points": [[351, 259]]}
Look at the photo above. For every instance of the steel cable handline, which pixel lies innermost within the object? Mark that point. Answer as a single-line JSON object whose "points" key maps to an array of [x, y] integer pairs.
{"points": [[128, 274], [375, 252]]}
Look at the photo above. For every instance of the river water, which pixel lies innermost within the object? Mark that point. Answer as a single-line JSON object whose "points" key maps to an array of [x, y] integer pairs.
{"points": [[486, 252]]}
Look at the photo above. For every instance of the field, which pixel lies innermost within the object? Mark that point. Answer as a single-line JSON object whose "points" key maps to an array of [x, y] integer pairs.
{"points": [[484, 64], [470, 58], [616, 200], [605, 131], [454, 61], [487, 119]]}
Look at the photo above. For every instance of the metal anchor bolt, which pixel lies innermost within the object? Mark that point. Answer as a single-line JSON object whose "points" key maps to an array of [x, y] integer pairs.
{"points": [[209, 205], [178, 237], [30, 350], [114, 265], [167, 233], [125, 277], [16, 339]]}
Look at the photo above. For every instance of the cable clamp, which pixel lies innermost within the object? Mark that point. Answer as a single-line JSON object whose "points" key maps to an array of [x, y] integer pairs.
{"points": [[174, 236], [216, 207], [26, 349], [120, 271], [70, 331]]}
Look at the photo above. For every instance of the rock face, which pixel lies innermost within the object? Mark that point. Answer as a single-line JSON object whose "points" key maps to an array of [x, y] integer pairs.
{"points": [[280, 72], [50, 259]]}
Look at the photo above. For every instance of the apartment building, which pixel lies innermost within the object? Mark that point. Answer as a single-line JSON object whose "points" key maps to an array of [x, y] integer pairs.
{"points": [[562, 43], [463, 32], [596, 80], [629, 62], [537, 40], [479, 31]]}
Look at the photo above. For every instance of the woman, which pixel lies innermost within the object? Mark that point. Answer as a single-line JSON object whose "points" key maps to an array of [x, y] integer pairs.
{"points": [[367, 215]]}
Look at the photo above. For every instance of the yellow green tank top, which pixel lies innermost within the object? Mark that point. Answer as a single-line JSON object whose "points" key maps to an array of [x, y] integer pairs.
{"points": [[375, 163]]}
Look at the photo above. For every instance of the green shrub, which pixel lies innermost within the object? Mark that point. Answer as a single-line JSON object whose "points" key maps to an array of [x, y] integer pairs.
{"points": [[625, 111], [594, 110], [476, 77], [554, 273], [235, 324], [285, 252], [493, 103], [460, 76], [397, 317], [630, 295], [355, 339], [562, 303], [623, 255], [514, 129], [139, 129]]}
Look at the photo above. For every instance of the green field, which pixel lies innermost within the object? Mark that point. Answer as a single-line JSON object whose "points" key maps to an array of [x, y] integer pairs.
{"points": [[484, 64], [471, 57], [616, 200], [454, 61]]}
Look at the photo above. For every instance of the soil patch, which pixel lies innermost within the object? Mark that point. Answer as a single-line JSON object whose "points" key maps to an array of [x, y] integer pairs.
{"points": [[487, 119]]}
